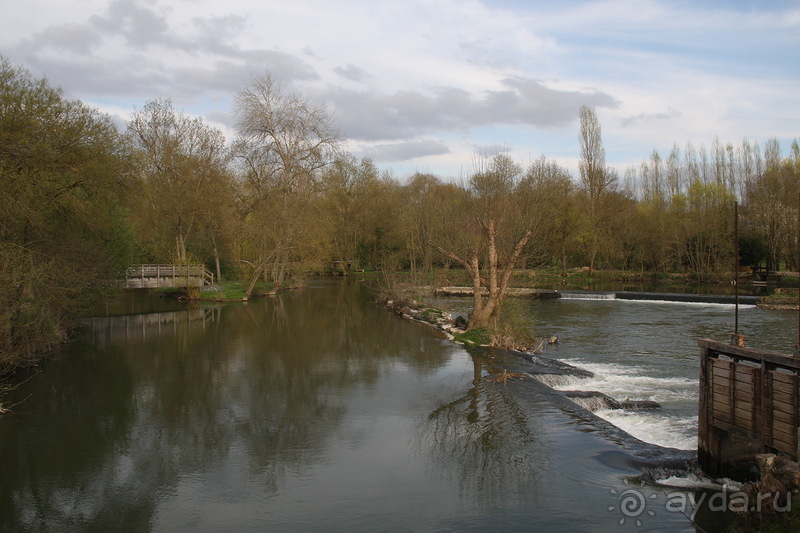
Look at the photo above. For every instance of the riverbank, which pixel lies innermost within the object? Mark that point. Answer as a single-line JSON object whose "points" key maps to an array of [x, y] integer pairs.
{"points": [[226, 291], [783, 299]]}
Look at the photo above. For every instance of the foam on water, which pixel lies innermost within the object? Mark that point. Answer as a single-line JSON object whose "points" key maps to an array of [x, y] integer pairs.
{"points": [[691, 304], [560, 381], [663, 430], [693, 481], [587, 296], [631, 382]]}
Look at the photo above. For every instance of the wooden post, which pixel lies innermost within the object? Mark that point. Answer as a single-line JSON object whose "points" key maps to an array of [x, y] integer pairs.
{"points": [[763, 405], [796, 411], [738, 341], [705, 453]]}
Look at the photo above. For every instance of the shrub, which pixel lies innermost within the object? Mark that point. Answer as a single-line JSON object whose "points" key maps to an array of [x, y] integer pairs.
{"points": [[512, 328]]}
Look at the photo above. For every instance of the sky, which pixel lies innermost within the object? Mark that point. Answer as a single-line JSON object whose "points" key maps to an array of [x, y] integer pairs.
{"points": [[429, 85]]}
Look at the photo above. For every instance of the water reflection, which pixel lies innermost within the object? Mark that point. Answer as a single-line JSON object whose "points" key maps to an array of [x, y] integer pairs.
{"points": [[485, 440], [138, 327], [249, 394], [312, 410]]}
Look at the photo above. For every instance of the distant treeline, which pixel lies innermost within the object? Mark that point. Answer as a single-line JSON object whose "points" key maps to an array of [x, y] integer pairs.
{"points": [[80, 200]]}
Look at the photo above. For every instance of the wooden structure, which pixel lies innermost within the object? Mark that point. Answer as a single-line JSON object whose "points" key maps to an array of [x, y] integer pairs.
{"points": [[749, 404], [345, 267], [154, 276]]}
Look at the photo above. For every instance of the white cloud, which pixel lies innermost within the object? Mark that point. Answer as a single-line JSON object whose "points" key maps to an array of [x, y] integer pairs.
{"points": [[425, 81]]}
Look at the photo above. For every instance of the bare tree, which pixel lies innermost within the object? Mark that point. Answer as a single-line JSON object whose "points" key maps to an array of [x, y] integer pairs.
{"points": [[482, 228], [284, 140]]}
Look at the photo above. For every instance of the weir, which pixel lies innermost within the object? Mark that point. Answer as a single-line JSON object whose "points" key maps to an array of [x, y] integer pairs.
{"points": [[749, 404], [587, 295], [616, 295]]}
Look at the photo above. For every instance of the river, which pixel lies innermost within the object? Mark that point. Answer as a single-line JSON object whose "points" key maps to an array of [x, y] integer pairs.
{"points": [[319, 410]]}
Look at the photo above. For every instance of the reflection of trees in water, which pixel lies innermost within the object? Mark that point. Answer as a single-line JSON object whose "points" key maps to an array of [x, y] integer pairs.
{"points": [[250, 392], [484, 439], [61, 448]]}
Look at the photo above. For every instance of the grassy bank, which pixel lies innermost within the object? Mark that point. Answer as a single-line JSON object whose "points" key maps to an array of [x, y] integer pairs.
{"points": [[227, 291]]}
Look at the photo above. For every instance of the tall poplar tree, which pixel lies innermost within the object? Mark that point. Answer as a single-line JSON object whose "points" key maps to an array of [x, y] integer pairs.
{"points": [[597, 181]]}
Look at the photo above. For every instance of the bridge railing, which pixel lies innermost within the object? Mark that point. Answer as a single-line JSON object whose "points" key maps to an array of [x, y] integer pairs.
{"points": [[164, 275]]}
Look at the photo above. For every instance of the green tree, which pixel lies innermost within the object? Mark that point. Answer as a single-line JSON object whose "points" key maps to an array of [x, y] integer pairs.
{"points": [[357, 209], [706, 226], [63, 230], [185, 185], [549, 193]]}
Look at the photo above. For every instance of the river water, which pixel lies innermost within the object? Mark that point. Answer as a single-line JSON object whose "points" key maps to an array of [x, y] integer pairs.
{"points": [[644, 350], [319, 410]]}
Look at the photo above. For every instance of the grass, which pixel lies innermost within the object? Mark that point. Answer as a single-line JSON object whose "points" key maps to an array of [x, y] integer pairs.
{"points": [[235, 290], [771, 523], [431, 314], [228, 291]]}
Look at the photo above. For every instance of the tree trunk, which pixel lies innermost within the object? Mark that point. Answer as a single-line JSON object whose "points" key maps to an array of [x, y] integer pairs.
{"points": [[477, 291], [253, 281], [279, 272], [498, 286], [482, 311], [216, 258], [180, 249]]}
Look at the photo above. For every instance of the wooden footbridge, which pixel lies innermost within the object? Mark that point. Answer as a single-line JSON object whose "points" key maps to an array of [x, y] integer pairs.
{"points": [[155, 276]]}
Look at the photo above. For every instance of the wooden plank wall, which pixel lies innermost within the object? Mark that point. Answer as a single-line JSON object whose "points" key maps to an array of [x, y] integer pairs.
{"points": [[752, 394]]}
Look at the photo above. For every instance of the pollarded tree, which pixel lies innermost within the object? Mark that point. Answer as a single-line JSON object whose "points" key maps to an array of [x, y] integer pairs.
{"points": [[482, 227], [285, 139]]}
